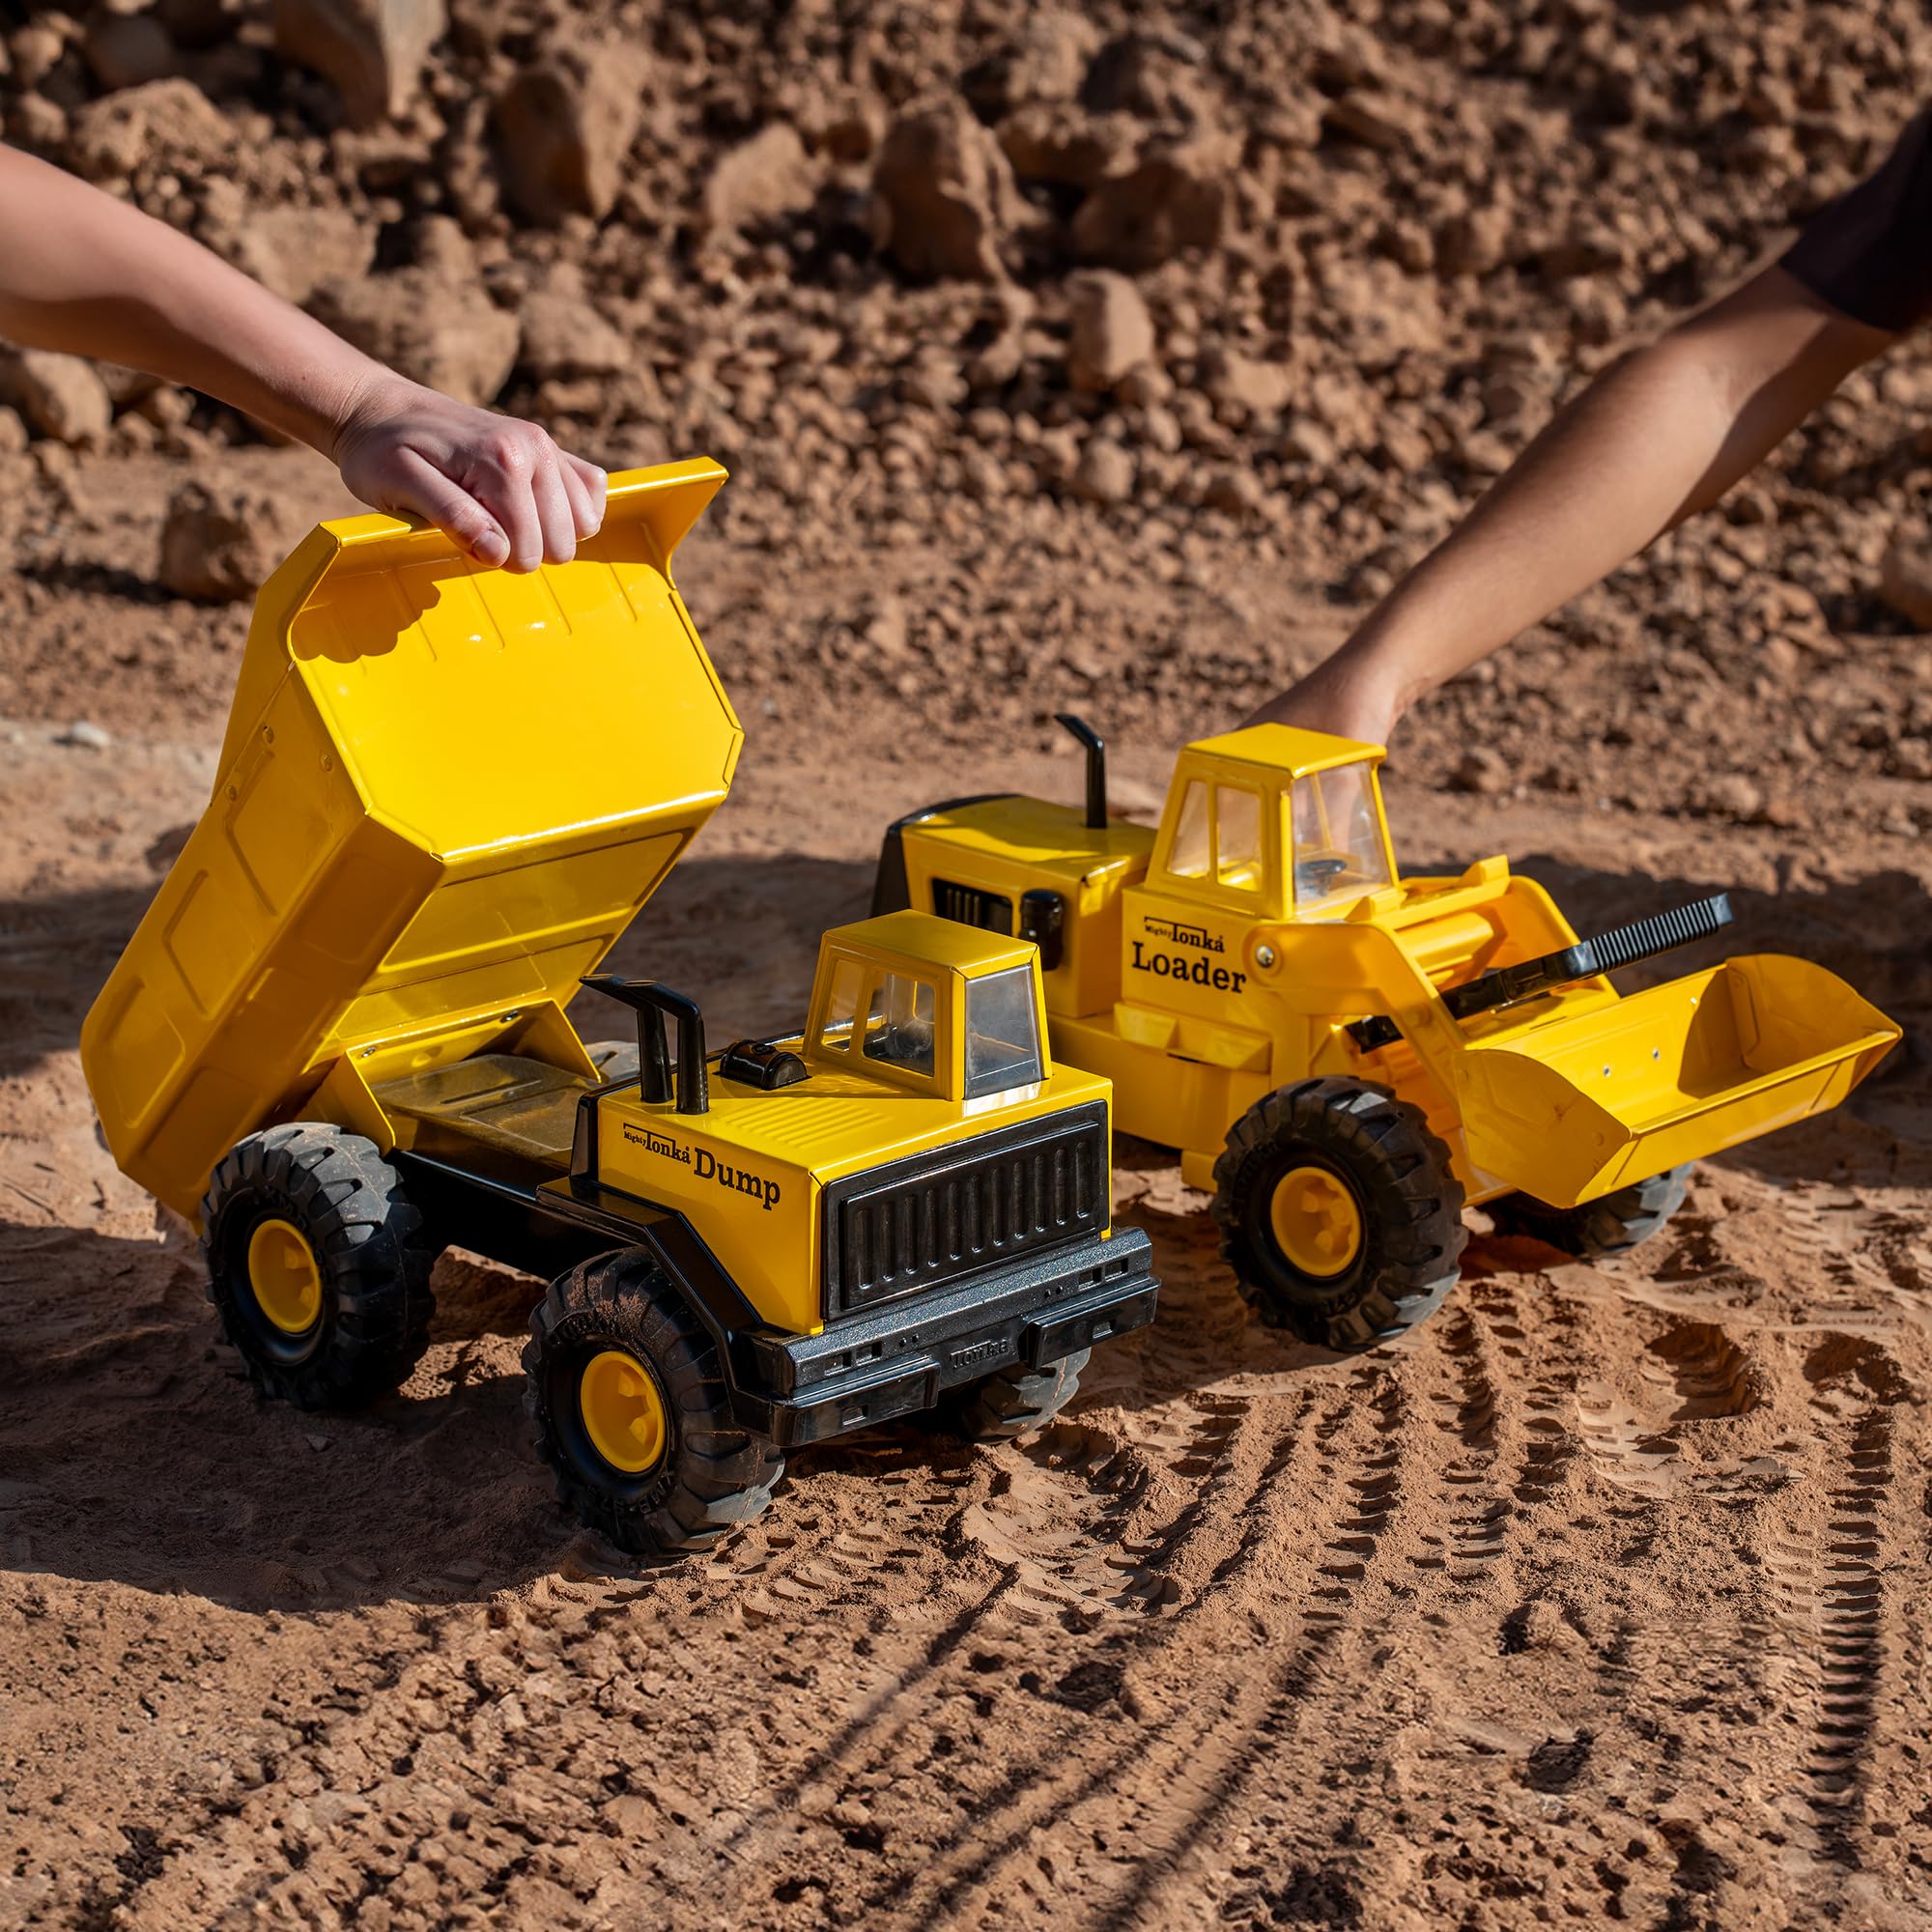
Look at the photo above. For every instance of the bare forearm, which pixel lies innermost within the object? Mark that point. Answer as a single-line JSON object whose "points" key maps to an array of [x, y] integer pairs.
{"points": [[83, 272], [1662, 435]]}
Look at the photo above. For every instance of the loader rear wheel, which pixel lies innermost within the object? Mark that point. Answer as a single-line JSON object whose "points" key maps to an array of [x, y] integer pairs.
{"points": [[317, 1266], [1013, 1403], [1609, 1224], [1339, 1212], [629, 1407]]}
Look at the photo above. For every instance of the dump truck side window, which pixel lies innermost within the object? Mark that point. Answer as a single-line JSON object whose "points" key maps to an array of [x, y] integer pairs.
{"points": [[843, 1008], [1237, 837], [1192, 852], [899, 1028], [1001, 1033], [1337, 838]]}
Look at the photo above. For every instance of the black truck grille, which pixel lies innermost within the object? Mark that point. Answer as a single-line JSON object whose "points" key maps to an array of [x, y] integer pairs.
{"points": [[933, 1217], [971, 905]]}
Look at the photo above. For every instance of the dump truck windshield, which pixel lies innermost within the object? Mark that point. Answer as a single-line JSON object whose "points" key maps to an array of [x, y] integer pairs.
{"points": [[1337, 838], [1001, 1033], [898, 1031]]}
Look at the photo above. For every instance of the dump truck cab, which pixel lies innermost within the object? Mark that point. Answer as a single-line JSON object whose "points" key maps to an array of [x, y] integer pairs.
{"points": [[1262, 943], [342, 1040]]}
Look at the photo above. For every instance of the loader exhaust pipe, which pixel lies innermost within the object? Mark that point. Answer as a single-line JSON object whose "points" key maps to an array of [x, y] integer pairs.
{"points": [[1095, 746]]}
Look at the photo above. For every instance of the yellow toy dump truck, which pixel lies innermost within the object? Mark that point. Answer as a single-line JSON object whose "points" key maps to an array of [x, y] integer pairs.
{"points": [[338, 1043], [1346, 1055]]}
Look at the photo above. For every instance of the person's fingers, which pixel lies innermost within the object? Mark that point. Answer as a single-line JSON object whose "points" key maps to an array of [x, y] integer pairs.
{"points": [[582, 474], [500, 476], [554, 508], [587, 510], [417, 488]]}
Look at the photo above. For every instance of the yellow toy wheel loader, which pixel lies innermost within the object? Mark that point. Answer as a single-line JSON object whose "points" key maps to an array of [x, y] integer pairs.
{"points": [[1346, 1056], [337, 1043]]}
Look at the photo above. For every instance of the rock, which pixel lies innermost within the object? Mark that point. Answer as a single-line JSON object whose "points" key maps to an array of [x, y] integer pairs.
{"points": [[86, 735], [1235, 490], [294, 250], [448, 335], [563, 128], [129, 50], [1053, 141], [760, 178], [1112, 331], [1482, 769], [61, 396], [1309, 441], [947, 194], [564, 336], [1174, 199], [1104, 474], [14, 437], [164, 125], [1044, 61], [1375, 120], [1247, 388], [1154, 76], [370, 51], [1728, 795], [1905, 580], [218, 545]]}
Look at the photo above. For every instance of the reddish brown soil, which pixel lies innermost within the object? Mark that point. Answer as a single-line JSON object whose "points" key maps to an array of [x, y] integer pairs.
{"points": [[1603, 1598]]}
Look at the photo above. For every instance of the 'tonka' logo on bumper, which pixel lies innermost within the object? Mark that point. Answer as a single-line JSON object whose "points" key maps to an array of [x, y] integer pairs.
{"points": [[705, 1165]]}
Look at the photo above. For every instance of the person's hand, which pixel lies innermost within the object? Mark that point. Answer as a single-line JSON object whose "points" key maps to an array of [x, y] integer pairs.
{"points": [[1348, 695], [500, 488]]}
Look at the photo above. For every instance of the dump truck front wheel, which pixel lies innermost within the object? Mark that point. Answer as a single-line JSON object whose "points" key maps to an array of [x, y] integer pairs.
{"points": [[1014, 1402], [1606, 1226], [317, 1265], [629, 1407], [1339, 1212]]}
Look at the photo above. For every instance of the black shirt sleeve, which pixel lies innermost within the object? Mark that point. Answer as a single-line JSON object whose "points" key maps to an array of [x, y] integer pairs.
{"points": [[1869, 253]]}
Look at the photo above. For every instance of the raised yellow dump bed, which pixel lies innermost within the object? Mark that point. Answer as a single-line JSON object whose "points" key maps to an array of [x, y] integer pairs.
{"points": [[425, 827]]}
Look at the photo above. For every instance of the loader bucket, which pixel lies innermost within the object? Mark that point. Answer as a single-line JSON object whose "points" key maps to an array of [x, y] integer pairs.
{"points": [[444, 793], [1572, 1109]]}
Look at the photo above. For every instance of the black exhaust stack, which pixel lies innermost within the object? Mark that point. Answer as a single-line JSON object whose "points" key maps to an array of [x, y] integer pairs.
{"points": [[1097, 766]]}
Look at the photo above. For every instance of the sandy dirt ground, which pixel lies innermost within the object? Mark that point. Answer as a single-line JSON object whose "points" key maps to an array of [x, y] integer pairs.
{"points": [[1602, 1598]]}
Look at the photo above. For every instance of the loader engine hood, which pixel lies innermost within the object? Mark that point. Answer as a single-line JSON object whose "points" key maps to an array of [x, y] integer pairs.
{"points": [[443, 794]]}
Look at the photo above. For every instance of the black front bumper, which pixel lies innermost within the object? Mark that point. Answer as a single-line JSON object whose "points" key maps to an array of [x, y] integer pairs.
{"points": [[868, 1369]]}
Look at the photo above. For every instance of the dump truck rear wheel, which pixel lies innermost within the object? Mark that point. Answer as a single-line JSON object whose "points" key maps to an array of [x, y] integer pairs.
{"points": [[629, 1407], [317, 1265], [1606, 1226], [1339, 1212], [1016, 1403]]}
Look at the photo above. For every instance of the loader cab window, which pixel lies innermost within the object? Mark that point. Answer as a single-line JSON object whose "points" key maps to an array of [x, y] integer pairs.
{"points": [[1218, 837], [1336, 835], [899, 1027], [1001, 1033]]}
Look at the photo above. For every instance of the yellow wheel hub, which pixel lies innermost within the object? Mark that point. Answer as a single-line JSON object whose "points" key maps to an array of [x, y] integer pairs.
{"points": [[623, 1413], [1317, 1221], [284, 1276]]}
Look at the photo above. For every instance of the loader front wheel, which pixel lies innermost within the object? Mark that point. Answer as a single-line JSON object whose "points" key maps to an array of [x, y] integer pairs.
{"points": [[317, 1266], [629, 1407], [1606, 1226], [1339, 1212]]}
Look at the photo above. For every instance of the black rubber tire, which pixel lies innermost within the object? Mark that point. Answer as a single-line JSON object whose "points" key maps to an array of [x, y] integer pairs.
{"points": [[996, 1409], [1400, 1176], [1609, 1224], [714, 1474], [369, 1242]]}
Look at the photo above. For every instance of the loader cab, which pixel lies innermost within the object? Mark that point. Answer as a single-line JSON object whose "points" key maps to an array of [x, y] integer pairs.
{"points": [[929, 1007], [1274, 823]]}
